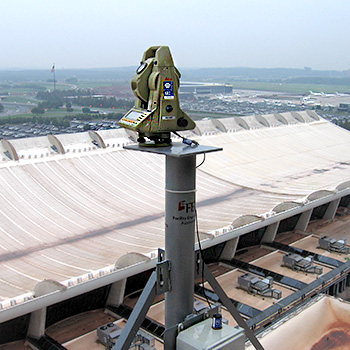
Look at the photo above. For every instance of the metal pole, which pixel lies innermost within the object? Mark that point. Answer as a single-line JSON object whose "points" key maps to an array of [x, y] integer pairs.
{"points": [[180, 219], [179, 242], [138, 314], [54, 79]]}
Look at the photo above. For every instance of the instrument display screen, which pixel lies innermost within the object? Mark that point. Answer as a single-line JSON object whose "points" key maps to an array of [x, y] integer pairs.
{"points": [[133, 115]]}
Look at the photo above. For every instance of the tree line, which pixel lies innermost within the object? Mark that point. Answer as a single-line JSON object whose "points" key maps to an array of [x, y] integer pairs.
{"points": [[81, 97], [104, 102], [344, 123]]}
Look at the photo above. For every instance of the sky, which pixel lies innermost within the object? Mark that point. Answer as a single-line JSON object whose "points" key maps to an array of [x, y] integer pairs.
{"points": [[200, 33]]}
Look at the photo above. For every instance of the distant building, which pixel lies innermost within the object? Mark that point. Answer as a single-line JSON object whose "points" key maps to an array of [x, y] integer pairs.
{"points": [[344, 107], [204, 88]]}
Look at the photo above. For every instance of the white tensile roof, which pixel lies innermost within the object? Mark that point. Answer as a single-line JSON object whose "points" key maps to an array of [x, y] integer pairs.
{"points": [[65, 215]]}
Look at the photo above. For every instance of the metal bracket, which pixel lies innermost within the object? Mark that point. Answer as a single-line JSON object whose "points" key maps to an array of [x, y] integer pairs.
{"points": [[163, 277], [193, 319], [163, 273]]}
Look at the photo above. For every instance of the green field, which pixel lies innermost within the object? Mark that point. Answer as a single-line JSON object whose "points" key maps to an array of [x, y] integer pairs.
{"points": [[20, 99], [87, 84], [30, 88]]}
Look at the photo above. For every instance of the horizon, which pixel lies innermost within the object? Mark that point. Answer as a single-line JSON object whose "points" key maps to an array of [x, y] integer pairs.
{"points": [[183, 67], [200, 33]]}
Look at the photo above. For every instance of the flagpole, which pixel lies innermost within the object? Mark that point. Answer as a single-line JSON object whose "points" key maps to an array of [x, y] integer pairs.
{"points": [[54, 78], [53, 70]]}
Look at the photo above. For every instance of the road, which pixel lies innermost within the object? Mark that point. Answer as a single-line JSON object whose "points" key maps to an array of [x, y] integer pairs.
{"points": [[13, 108]]}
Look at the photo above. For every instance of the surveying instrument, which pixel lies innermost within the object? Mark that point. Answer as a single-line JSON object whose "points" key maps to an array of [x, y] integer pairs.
{"points": [[157, 111], [155, 115]]}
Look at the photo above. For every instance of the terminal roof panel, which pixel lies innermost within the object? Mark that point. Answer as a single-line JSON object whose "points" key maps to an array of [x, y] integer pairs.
{"points": [[68, 214], [292, 160]]}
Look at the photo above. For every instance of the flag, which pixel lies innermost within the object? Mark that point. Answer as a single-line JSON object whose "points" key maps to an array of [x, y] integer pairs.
{"points": [[53, 69]]}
